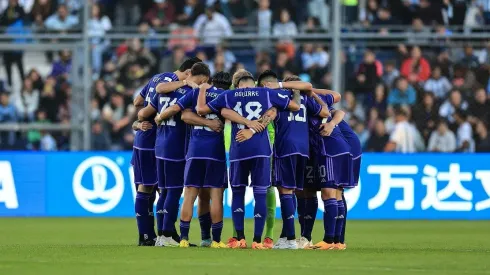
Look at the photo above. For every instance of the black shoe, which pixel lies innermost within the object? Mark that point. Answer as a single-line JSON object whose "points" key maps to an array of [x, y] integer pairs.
{"points": [[147, 243]]}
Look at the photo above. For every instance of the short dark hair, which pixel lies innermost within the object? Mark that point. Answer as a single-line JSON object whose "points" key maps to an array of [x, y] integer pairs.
{"points": [[187, 64], [461, 113], [292, 78], [399, 111], [200, 68], [222, 80], [266, 75]]}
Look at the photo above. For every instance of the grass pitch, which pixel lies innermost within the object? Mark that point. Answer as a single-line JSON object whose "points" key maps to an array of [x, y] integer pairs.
{"points": [[108, 246]]}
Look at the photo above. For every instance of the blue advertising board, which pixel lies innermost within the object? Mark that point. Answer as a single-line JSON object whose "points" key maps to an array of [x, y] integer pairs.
{"points": [[392, 186]]}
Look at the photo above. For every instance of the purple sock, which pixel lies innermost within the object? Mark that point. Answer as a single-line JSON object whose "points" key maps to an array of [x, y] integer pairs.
{"points": [[311, 207], [288, 215], [216, 229], [260, 212], [141, 210], [184, 229], [283, 230], [159, 208], [339, 225], [331, 212], [301, 214], [151, 215], [205, 222], [342, 235], [238, 208], [171, 210]]}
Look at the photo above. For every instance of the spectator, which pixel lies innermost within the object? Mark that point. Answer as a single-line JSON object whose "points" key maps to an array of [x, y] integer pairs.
{"points": [[204, 58], [351, 107], [453, 103], [261, 19], [100, 139], [429, 12], [189, 12], [470, 60], [212, 27], [474, 17], [378, 100], [405, 138], [443, 61], [464, 80], [116, 117], [37, 81], [136, 54], [419, 34], [62, 20], [439, 85], [425, 115], [102, 93], [314, 61], [283, 64], [62, 67], [383, 20], [49, 100], [390, 73], [416, 68], [151, 43], [27, 102], [41, 10], [402, 94], [12, 13], [368, 76], [236, 11], [161, 14], [127, 13], [13, 17], [373, 116], [73, 6], [482, 137], [319, 10], [362, 133], [284, 30], [378, 138], [229, 56], [172, 63], [479, 109], [47, 142], [370, 14], [98, 25], [464, 136], [8, 114], [442, 140]]}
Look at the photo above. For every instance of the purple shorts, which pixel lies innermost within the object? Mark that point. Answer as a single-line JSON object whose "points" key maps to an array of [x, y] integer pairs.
{"points": [[144, 163], [355, 170], [205, 173], [258, 168], [170, 173], [310, 173], [334, 172], [290, 171]]}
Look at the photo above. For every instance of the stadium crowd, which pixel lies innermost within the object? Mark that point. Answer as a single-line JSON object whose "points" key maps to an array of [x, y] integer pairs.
{"points": [[444, 91]]}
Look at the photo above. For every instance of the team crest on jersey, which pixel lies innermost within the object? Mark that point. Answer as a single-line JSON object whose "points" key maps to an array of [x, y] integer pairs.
{"points": [[156, 79], [180, 90]]}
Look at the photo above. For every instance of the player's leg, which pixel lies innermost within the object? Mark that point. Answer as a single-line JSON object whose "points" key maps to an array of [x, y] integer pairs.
{"points": [[342, 235], [239, 171], [339, 226], [204, 215], [151, 212], [161, 199], [308, 203], [174, 183], [190, 195], [260, 173], [271, 211], [145, 180], [216, 181]]}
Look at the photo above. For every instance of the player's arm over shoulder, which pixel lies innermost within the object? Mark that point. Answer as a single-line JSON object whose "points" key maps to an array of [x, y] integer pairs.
{"points": [[282, 101], [335, 95]]}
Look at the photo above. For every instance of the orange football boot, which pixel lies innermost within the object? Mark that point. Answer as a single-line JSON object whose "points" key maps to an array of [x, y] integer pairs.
{"points": [[268, 243], [323, 246], [258, 246]]}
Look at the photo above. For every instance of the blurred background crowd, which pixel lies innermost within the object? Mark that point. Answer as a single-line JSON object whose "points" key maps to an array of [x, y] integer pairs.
{"points": [[438, 94]]}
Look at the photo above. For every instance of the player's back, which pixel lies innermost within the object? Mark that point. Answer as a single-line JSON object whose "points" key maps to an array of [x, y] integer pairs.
{"points": [[333, 144], [250, 103], [204, 142], [146, 139], [292, 130], [172, 134]]}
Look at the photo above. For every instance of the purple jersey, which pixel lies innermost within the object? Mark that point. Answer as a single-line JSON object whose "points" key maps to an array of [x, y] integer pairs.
{"points": [[250, 103], [205, 143], [171, 138], [347, 132], [292, 127], [145, 140]]}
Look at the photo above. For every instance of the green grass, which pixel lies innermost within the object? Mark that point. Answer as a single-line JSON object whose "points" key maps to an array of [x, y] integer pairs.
{"points": [[107, 246]]}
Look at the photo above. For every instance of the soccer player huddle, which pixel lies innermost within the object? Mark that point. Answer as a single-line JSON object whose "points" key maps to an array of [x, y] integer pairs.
{"points": [[179, 147]]}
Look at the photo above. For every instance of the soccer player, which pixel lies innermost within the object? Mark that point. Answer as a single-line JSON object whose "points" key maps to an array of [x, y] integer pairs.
{"points": [[333, 162], [356, 153], [253, 156], [206, 158], [170, 147], [143, 159]]}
